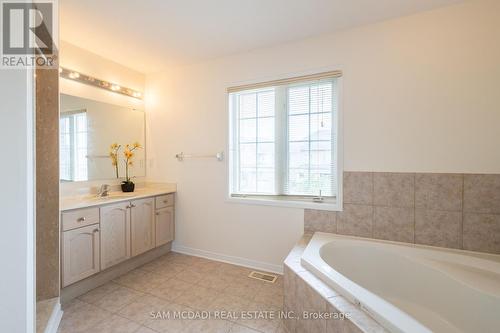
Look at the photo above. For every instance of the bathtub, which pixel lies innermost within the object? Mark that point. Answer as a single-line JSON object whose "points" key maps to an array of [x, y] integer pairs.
{"points": [[410, 288]]}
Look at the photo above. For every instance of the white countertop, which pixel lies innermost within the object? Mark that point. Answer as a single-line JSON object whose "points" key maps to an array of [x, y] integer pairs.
{"points": [[91, 200]]}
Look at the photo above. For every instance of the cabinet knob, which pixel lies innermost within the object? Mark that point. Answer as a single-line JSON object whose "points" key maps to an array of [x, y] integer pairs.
{"points": [[165, 201], [132, 205], [95, 230], [157, 213], [81, 219]]}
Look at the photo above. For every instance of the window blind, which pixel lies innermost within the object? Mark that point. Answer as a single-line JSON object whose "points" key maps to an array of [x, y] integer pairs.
{"points": [[311, 138], [283, 139]]}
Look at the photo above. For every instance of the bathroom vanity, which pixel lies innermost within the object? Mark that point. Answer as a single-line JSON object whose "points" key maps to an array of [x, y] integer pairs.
{"points": [[105, 235], [98, 234]]}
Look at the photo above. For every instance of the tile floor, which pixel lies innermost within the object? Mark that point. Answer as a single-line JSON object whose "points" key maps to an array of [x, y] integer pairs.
{"points": [[139, 301]]}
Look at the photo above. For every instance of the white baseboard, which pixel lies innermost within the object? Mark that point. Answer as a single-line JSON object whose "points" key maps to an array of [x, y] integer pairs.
{"points": [[262, 266], [55, 319]]}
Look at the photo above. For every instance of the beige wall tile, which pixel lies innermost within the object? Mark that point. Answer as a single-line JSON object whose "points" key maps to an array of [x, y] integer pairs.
{"points": [[264, 325], [319, 286], [438, 202], [319, 220], [358, 188], [358, 321], [394, 189], [438, 228], [291, 302], [394, 223], [281, 328], [339, 325], [355, 220], [439, 191], [47, 184], [482, 194], [310, 301], [289, 289], [482, 232]]}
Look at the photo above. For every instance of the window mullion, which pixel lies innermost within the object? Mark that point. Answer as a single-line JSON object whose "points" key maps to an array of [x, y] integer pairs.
{"points": [[72, 147], [237, 143], [309, 145], [281, 141], [256, 143]]}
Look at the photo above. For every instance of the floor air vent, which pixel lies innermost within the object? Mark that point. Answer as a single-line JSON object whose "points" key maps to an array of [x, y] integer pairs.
{"points": [[263, 276]]}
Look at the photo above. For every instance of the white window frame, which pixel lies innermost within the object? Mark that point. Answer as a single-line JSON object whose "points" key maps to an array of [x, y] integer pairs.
{"points": [[288, 200], [73, 136]]}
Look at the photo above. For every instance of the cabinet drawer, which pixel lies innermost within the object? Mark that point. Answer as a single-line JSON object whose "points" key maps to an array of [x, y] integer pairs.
{"points": [[79, 218], [164, 201]]}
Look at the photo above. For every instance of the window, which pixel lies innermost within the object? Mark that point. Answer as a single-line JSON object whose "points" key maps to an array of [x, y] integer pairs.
{"points": [[73, 145], [284, 142]]}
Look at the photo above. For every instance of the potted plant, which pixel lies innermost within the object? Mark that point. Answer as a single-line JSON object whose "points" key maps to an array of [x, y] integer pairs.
{"points": [[128, 153]]}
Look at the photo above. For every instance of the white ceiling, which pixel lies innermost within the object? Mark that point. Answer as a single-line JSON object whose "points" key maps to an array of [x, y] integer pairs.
{"points": [[150, 35]]}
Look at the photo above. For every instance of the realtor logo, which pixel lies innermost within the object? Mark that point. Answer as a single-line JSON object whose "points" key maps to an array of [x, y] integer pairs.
{"points": [[28, 34]]}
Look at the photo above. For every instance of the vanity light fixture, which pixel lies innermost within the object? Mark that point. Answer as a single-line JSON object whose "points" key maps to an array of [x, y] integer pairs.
{"points": [[74, 75], [87, 79]]}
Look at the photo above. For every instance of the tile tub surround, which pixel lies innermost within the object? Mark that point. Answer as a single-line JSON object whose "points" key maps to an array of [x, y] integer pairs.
{"points": [[176, 282], [305, 292], [459, 211]]}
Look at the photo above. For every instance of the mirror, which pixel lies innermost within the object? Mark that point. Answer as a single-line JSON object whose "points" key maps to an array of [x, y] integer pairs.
{"points": [[87, 129]]}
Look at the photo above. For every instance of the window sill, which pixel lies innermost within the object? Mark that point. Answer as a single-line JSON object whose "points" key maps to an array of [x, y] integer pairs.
{"points": [[330, 206]]}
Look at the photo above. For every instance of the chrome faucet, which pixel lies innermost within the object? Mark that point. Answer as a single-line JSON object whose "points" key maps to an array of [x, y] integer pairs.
{"points": [[104, 191]]}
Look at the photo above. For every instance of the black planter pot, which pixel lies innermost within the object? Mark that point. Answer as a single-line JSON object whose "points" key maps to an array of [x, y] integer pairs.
{"points": [[128, 187]]}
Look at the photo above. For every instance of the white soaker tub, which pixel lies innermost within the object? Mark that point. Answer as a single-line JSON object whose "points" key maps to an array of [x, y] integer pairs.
{"points": [[411, 288]]}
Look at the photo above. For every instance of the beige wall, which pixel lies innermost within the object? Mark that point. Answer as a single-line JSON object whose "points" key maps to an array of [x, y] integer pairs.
{"points": [[420, 94]]}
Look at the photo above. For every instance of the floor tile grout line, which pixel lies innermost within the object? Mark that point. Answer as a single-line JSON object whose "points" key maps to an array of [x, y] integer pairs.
{"points": [[254, 285]]}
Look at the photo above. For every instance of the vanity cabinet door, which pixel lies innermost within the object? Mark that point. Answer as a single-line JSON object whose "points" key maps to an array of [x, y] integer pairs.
{"points": [[164, 225], [115, 234], [80, 253], [142, 225]]}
